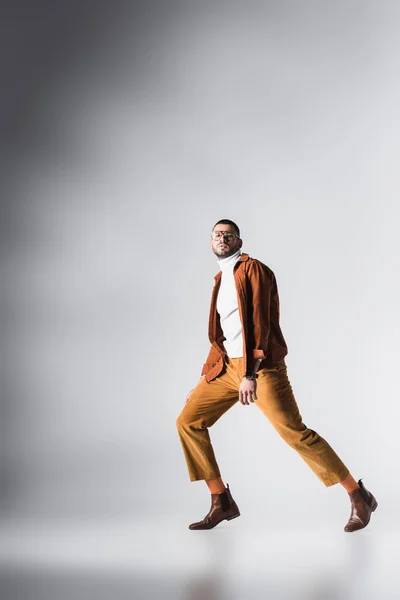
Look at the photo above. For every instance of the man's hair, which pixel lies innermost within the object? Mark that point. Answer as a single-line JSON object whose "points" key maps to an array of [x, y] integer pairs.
{"points": [[228, 222]]}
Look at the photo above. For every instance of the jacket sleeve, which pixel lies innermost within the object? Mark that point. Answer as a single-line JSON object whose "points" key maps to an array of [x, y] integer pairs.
{"points": [[262, 281]]}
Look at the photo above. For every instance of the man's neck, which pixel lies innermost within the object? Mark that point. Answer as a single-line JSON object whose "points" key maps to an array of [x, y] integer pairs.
{"points": [[229, 261]]}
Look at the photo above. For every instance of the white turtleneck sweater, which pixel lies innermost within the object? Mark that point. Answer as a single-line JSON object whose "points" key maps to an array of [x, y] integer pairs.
{"points": [[228, 309]]}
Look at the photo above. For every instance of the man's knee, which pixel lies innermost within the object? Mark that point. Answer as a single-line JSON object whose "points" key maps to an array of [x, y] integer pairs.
{"points": [[180, 421], [298, 438], [310, 437], [185, 419]]}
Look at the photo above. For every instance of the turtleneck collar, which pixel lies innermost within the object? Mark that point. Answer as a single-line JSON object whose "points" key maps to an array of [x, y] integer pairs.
{"points": [[229, 261]]}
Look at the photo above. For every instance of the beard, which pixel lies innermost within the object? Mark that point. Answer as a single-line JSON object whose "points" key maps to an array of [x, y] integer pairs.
{"points": [[225, 251]]}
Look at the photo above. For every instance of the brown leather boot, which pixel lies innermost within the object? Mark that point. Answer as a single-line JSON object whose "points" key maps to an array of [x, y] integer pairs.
{"points": [[223, 507], [363, 504]]}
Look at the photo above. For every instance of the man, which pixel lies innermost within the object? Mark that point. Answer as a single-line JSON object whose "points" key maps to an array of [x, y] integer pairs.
{"points": [[246, 362]]}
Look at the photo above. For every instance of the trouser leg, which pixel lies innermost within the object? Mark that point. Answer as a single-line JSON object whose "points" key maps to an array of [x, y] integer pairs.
{"points": [[207, 403], [277, 402]]}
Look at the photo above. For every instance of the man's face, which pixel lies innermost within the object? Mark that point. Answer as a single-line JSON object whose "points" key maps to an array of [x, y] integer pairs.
{"points": [[225, 245]]}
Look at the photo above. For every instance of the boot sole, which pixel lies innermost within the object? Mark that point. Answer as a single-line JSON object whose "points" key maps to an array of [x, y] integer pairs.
{"points": [[212, 527], [233, 517]]}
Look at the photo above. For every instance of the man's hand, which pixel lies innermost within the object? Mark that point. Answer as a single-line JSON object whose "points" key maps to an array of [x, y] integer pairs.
{"points": [[248, 391], [189, 394]]}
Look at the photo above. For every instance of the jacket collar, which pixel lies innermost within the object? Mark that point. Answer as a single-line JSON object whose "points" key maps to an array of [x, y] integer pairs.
{"points": [[242, 258]]}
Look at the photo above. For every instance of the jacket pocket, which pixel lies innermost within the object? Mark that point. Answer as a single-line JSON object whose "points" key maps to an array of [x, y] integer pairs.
{"points": [[207, 367]]}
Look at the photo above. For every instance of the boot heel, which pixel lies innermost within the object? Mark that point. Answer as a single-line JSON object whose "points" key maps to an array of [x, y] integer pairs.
{"points": [[233, 517], [374, 505]]}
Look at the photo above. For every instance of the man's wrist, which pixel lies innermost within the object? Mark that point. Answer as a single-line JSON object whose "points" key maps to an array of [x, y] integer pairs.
{"points": [[252, 374]]}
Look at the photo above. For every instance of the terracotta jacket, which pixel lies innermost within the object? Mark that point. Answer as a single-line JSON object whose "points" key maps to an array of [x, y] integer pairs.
{"points": [[258, 303]]}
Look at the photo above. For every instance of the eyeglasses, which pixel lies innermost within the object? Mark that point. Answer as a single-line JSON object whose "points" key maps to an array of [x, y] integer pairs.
{"points": [[228, 236]]}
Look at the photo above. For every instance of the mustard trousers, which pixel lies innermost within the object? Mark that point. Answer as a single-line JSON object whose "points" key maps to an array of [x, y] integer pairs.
{"points": [[210, 400]]}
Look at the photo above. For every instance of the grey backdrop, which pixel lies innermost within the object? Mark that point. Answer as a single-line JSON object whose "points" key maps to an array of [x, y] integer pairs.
{"points": [[129, 130]]}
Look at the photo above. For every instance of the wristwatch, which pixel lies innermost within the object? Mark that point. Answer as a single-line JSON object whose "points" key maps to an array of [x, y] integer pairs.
{"points": [[254, 375], [251, 376]]}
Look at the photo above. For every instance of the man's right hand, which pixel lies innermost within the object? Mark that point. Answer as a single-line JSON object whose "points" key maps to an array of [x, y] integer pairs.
{"points": [[189, 394]]}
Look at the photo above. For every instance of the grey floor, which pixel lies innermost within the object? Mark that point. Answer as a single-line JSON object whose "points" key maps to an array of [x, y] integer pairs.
{"points": [[161, 558]]}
